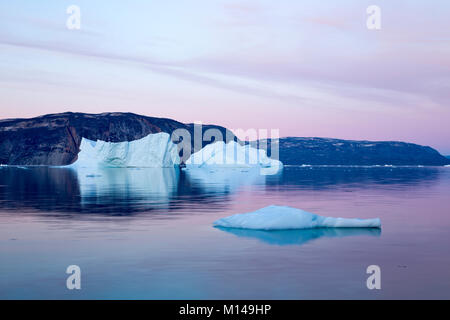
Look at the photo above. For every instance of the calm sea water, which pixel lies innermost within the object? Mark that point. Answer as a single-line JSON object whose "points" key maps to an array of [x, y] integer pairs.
{"points": [[147, 233]]}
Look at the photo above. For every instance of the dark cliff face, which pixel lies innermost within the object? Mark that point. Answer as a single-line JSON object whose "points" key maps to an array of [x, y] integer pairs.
{"points": [[324, 151], [55, 139]]}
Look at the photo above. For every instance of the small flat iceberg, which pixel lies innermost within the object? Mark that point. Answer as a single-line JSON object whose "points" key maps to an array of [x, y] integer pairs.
{"points": [[285, 218], [153, 151], [234, 155]]}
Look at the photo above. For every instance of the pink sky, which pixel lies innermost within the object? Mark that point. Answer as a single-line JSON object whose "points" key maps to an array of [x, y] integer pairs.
{"points": [[307, 69]]}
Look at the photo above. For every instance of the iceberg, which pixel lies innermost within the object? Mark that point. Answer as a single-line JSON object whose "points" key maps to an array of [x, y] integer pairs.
{"points": [[284, 218], [153, 151], [234, 155]]}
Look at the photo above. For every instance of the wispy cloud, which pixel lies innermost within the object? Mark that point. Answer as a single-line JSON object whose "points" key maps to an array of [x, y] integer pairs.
{"points": [[286, 56]]}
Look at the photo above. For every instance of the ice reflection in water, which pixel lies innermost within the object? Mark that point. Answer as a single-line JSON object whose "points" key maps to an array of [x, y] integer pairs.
{"points": [[148, 234], [127, 191], [139, 188], [300, 237]]}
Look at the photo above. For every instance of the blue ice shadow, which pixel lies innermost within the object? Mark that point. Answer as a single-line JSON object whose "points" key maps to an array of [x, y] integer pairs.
{"points": [[300, 236]]}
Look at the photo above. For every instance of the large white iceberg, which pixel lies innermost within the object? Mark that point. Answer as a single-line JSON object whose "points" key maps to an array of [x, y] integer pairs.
{"points": [[282, 217], [233, 154], [153, 151]]}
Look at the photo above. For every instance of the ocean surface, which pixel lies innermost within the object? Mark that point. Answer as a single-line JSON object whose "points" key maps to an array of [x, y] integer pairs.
{"points": [[148, 234]]}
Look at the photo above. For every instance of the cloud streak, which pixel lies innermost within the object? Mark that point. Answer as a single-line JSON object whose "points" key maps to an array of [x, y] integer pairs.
{"points": [[308, 61]]}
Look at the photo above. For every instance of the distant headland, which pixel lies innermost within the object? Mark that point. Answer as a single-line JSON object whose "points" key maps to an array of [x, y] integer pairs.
{"points": [[55, 139]]}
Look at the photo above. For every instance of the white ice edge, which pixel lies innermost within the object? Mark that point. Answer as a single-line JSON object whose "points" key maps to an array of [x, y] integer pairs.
{"points": [[153, 151], [283, 218], [233, 155]]}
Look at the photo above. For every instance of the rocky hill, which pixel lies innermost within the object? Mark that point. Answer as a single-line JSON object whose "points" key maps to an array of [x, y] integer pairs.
{"points": [[325, 151], [55, 139]]}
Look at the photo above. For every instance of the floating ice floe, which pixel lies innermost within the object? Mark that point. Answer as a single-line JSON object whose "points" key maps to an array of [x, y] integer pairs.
{"points": [[153, 151], [234, 155], [282, 218]]}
